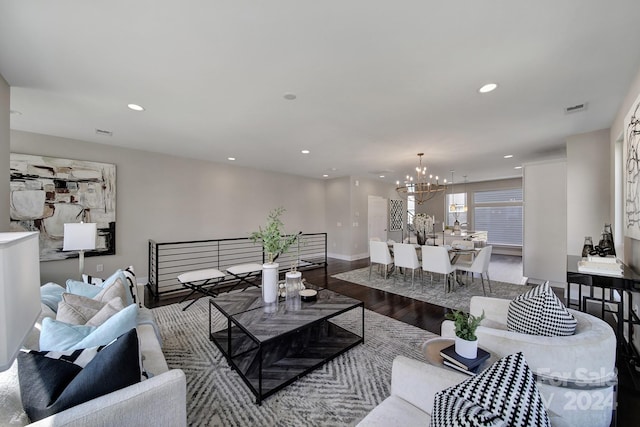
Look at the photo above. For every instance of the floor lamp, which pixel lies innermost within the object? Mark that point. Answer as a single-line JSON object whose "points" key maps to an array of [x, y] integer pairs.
{"points": [[79, 237], [19, 291]]}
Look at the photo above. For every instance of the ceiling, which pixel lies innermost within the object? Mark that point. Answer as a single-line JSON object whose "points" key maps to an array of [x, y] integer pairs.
{"points": [[375, 81]]}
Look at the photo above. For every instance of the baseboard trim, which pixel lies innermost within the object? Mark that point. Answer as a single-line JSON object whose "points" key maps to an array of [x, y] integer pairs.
{"points": [[348, 257]]}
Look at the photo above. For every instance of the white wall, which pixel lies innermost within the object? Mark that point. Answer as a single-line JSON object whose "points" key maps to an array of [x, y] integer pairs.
{"points": [[338, 214], [347, 205], [544, 252], [4, 154], [588, 188], [360, 212], [631, 255], [168, 198]]}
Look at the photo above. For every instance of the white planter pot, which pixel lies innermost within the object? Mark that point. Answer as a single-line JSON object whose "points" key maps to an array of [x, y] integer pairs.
{"points": [[467, 349], [270, 282]]}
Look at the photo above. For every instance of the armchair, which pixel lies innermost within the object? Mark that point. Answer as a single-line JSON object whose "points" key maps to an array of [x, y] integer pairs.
{"points": [[575, 374]]}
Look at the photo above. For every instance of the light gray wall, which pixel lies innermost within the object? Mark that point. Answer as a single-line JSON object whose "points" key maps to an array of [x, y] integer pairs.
{"points": [[4, 154], [168, 198], [360, 212], [434, 207], [347, 205], [631, 255], [338, 214], [544, 251], [588, 188]]}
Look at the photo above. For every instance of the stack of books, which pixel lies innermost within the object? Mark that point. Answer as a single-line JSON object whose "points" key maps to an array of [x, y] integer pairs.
{"points": [[462, 364], [608, 265]]}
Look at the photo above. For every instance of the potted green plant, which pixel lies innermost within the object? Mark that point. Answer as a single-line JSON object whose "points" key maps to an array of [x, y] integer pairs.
{"points": [[272, 238], [466, 341], [274, 243]]}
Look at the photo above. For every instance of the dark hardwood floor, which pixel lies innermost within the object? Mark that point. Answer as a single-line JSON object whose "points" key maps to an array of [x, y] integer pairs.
{"points": [[429, 317]]}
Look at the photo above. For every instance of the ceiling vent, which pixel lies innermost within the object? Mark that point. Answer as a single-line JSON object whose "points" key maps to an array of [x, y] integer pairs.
{"points": [[575, 108], [104, 132]]}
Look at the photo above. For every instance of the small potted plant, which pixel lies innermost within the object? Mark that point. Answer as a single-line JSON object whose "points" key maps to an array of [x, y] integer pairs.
{"points": [[274, 244], [466, 340]]}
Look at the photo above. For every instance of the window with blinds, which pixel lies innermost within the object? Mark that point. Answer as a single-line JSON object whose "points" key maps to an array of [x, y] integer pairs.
{"points": [[500, 213]]}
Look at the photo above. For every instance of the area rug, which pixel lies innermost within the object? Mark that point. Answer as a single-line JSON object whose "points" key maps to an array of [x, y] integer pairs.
{"points": [[340, 393], [433, 293]]}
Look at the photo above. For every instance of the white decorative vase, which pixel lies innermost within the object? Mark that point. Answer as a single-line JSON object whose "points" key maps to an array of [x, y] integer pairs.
{"points": [[270, 282], [467, 349]]}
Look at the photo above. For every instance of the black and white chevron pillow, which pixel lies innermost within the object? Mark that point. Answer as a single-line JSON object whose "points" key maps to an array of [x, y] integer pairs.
{"points": [[540, 312], [78, 357], [505, 394]]}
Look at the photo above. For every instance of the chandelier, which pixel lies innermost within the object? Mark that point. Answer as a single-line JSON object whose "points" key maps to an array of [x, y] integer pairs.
{"points": [[422, 187]]}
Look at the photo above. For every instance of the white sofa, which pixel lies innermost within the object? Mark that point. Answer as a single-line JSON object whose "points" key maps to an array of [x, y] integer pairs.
{"points": [[158, 401], [414, 385], [576, 374]]}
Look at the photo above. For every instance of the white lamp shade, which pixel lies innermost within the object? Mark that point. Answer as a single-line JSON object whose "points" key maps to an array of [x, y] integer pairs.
{"points": [[19, 291], [79, 236]]}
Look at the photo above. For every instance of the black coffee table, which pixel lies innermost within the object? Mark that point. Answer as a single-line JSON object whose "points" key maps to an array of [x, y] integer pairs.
{"points": [[271, 346]]}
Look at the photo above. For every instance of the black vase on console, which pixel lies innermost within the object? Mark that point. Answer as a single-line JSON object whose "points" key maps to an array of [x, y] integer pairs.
{"points": [[606, 241], [587, 248]]}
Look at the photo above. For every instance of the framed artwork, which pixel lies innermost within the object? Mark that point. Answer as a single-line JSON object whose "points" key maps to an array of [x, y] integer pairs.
{"points": [[396, 212], [47, 192], [631, 153]]}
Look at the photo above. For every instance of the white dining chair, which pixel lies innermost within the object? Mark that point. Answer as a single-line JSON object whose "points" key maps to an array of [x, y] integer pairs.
{"points": [[379, 254], [435, 259], [464, 245], [405, 256], [479, 265]]}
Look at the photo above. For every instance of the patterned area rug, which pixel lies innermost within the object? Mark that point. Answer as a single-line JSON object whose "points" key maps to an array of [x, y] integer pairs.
{"points": [[340, 393], [434, 294]]}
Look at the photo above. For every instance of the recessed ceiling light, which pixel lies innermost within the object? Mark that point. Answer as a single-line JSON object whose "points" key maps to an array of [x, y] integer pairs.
{"points": [[305, 151], [290, 96], [15, 112], [488, 88], [231, 158], [135, 107], [325, 176], [381, 176], [518, 167], [508, 156]]}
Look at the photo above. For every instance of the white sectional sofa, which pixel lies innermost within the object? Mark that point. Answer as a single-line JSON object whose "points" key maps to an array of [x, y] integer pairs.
{"points": [[158, 401]]}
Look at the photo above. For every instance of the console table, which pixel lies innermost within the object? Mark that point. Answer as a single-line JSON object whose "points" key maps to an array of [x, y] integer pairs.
{"points": [[628, 282]]}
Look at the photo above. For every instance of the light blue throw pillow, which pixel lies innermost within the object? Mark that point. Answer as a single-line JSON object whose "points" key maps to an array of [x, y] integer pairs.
{"points": [[51, 295], [60, 336], [83, 289]]}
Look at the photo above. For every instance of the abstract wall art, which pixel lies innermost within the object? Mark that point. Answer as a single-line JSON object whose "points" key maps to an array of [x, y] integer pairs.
{"points": [[632, 171], [396, 213], [47, 192]]}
